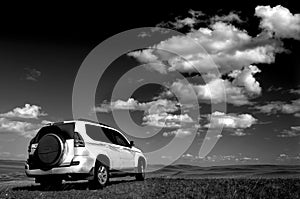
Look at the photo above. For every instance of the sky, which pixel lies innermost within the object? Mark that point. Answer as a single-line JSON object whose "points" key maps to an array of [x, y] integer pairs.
{"points": [[209, 85]]}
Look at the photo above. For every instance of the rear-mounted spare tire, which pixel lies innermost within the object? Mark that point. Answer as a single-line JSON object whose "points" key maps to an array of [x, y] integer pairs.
{"points": [[50, 150]]}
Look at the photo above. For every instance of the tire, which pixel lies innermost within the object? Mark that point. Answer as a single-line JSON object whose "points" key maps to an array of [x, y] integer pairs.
{"points": [[101, 176], [140, 176], [50, 150]]}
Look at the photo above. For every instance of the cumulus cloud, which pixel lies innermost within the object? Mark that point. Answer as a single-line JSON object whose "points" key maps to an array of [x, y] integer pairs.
{"points": [[130, 104], [280, 107], [231, 121], [280, 21], [237, 92], [221, 46], [165, 120], [28, 111], [181, 133], [294, 131], [246, 79], [157, 106], [144, 55], [22, 128], [224, 47], [156, 113]]}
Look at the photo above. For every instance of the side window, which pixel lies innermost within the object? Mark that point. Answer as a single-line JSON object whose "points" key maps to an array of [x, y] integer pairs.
{"points": [[120, 139], [96, 133], [109, 134]]}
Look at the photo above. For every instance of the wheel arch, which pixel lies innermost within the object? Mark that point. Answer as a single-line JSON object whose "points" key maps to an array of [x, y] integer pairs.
{"points": [[104, 159]]}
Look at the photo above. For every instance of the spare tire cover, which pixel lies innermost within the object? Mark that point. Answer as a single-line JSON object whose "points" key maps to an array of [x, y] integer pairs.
{"points": [[50, 149]]}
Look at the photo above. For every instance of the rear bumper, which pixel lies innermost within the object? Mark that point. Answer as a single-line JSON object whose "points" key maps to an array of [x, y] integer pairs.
{"points": [[85, 166]]}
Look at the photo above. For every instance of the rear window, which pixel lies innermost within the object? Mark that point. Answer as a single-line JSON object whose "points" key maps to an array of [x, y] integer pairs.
{"points": [[65, 129], [99, 133]]}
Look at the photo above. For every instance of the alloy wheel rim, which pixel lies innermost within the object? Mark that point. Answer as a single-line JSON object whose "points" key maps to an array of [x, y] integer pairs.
{"points": [[102, 175]]}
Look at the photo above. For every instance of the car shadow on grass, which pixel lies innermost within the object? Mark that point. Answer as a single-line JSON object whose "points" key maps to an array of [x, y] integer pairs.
{"points": [[83, 185]]}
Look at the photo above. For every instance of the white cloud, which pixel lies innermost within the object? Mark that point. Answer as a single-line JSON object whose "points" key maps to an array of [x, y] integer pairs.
{"points": [[246, 159], [25, 129], [130, 104], [293, 132], [180, 23], [157, 106], [156, 113], [223, 46], [165, 120], [237, 92], [246, 79], [28, 111], [238, 132], [239, 158], [220, 46], [288, 158], [144, 55], [242, 121], [228, 18], [181, 133], [280, 107], [279, 20], [185, 22]]}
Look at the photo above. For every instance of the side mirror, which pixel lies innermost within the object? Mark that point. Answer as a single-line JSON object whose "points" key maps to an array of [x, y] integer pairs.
{"points": [[131, 143]]}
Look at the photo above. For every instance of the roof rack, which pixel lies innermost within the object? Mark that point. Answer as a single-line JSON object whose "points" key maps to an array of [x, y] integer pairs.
{"points": [[87, 120]]}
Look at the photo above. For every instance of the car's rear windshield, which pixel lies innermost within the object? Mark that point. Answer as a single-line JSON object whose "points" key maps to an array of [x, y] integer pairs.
{"points": [[65, 129]]}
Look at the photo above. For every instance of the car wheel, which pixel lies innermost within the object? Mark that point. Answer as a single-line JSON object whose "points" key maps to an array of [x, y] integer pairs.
{"points": [[101, 176], [140, 176]]}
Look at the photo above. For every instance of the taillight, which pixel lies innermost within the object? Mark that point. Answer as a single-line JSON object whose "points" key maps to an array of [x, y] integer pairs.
{"points": [[78, 140]]}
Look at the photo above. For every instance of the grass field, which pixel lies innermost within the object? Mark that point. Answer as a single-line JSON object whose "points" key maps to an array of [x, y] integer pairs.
{"points": [[178, 181]]}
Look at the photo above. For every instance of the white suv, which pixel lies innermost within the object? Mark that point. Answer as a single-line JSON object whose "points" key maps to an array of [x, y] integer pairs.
{"points": [[82, 149]]}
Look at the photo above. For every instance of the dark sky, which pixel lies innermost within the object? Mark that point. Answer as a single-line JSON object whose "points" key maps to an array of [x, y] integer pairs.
{"points": [[43, 46]]}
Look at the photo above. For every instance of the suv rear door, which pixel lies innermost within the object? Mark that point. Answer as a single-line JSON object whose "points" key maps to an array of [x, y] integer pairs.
{"points": [[65, 132]]}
